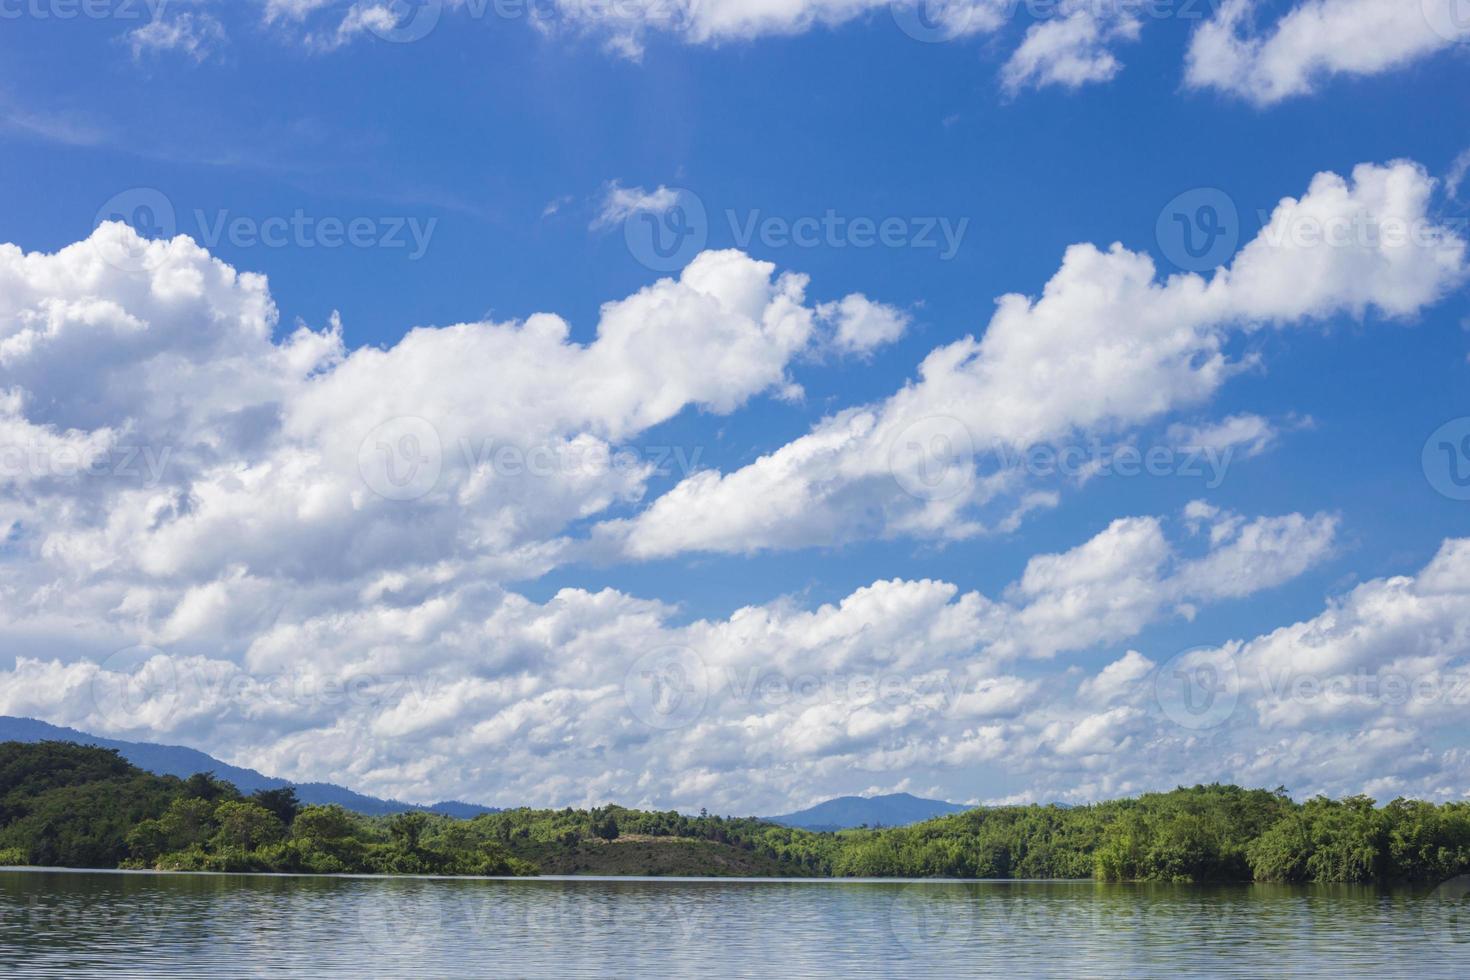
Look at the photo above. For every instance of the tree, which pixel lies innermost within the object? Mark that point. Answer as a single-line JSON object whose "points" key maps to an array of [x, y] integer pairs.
{"points": [[322, 824], [407, 828], [189, 821], [325, 839], [605, 826], [246, 825], [282, 802], [203, 785]]}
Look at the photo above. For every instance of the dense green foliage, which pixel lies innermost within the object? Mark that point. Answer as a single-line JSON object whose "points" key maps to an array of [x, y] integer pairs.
{"points": [[69, 805]]}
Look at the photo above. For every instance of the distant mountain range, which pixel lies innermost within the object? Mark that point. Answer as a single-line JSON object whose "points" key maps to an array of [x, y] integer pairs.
{"points": [[176, 760], [893, 810]]}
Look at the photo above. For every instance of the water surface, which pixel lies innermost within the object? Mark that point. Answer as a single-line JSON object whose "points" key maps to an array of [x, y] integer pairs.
{"points": [[98, 924]]}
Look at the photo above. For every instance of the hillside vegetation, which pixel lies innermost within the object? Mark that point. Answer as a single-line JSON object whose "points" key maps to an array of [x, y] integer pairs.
{"points": [[68, 805]]}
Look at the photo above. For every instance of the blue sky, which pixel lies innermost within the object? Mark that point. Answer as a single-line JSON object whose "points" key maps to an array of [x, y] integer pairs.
{"points": [[509, 148]]}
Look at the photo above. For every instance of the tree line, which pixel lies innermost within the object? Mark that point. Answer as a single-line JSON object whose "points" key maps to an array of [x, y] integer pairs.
{"points": [[76, 806], [69, 805]]}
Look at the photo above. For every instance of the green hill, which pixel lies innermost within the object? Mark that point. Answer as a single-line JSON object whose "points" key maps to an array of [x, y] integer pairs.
{"points": [[69, 805]]}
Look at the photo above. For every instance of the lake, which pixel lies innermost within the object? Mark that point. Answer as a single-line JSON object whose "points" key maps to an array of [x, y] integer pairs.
{"points": [[95, 924]]}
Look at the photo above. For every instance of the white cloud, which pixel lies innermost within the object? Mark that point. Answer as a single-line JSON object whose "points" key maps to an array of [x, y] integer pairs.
{"points": [[179, 472], [1456, 176], [1117, 679], [1371, 691], [280, 456], [1072, 49], [1314, 41], [625, 26], [1107, 589], [195, 35], [619, 202], [712, 21], [1246, 433], [1367, 696], [1106, 346], [293, 9], [862, 325], [407, 692]]}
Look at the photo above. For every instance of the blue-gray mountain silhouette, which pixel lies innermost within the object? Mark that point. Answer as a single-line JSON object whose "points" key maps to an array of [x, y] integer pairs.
{"points": [[176, 760], [893, 810]]}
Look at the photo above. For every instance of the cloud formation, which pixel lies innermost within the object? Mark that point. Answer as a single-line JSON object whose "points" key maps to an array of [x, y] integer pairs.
{"points": [[1315, 41], [596, 696], [300, 555], [1107, 346]]}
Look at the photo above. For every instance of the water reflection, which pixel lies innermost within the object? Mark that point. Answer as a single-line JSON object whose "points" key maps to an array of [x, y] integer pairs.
{"points": [[94, 924]]}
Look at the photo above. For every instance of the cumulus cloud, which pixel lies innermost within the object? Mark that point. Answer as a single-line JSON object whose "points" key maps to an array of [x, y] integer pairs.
{"points": [[1366, 697], [1314, 41], [592, 696], [1106, 346], [314, 542], [1377, 683], [159, 437], [1071, 45], [861, 325], [714, 21]]}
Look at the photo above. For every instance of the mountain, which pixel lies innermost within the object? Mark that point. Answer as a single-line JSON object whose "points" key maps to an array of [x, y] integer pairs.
{"points": [[893, 810], [176, 760]]}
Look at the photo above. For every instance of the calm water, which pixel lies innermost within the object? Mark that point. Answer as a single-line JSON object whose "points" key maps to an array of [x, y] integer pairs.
{"points": [[82, 924]]}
